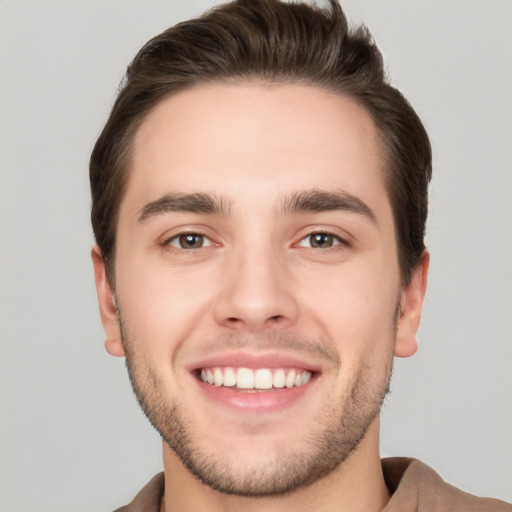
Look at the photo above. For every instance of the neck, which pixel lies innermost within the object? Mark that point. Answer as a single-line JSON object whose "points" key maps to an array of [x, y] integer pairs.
{"points": [[356, 485]]}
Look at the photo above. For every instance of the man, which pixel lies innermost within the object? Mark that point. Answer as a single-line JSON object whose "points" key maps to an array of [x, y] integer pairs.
{"points": [[259, 206]]}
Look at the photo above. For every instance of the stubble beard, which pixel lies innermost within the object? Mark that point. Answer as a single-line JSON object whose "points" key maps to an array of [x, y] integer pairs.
{"points": [[338, 432]]}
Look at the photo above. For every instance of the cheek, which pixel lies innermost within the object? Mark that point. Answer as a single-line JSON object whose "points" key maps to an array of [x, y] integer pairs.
{"points": [[356, 309], [161, 303]]}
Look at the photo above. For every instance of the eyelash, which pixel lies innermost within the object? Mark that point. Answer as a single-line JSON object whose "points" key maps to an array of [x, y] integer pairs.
{"points": [[336, 241], [182, 236]]}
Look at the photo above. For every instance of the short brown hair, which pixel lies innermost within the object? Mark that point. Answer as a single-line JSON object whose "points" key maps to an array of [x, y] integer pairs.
{"points": [[275, 41]]}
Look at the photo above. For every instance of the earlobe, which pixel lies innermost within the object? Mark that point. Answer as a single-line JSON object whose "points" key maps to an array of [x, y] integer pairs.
{"points": [[107, 305], [411, 304]]}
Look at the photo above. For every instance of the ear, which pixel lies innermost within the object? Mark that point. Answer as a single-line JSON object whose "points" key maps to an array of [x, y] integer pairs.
{"points": [[107, 303], [411, 302]]}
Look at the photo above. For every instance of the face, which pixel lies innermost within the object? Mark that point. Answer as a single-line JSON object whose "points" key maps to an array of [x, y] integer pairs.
{"points": [[258, 297]]}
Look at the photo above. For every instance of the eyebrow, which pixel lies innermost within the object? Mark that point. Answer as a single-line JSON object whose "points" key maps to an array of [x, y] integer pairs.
{"points": [[190, 203], [299, 202], [325, 201]]}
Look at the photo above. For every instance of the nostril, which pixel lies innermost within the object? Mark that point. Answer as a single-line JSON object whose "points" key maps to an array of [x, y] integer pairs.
{"points": [[255, 322]]}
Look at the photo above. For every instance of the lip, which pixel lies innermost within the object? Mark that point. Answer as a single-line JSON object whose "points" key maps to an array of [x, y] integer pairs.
{"points": [[254, 361], [254, 402]]}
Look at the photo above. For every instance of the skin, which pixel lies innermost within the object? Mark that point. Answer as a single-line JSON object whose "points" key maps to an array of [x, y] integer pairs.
{"points": [[257, 287]]}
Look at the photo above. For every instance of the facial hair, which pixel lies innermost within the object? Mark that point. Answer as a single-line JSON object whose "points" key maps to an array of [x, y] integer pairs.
{"points": [[338, 431]]}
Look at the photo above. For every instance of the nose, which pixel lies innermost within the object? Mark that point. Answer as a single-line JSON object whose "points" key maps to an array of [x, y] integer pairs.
{"points": [[256, 292]]}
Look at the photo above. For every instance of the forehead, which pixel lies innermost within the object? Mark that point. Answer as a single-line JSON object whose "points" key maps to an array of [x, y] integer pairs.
{"points": [[252, 142]]}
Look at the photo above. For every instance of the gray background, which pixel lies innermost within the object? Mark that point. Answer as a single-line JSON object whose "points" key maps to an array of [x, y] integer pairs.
{"points": [[72, 436]]}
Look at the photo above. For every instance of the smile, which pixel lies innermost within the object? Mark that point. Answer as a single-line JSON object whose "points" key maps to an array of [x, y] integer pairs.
{"points": [[255, 379]]}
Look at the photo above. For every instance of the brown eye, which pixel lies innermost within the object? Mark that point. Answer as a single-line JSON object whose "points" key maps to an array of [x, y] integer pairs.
{"points": [[189, 241], [320, 241]]}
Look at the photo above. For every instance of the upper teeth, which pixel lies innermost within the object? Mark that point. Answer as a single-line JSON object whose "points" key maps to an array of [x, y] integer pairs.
{"points": [[263, 378]]}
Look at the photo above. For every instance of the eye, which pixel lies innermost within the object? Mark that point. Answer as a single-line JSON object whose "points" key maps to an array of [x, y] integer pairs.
{"points": [[189, 241], [321, 241]]}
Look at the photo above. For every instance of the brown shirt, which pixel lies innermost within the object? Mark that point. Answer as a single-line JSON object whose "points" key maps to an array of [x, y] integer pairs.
{"points": [[414, 486]]}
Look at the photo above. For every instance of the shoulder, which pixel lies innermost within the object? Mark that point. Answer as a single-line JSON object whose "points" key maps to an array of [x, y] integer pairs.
{"points": [[417, 487], [149, 497]]}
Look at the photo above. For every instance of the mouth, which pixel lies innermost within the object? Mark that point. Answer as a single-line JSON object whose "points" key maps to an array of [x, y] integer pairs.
{"points": [[255, 380], [255, 384]]}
